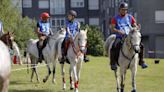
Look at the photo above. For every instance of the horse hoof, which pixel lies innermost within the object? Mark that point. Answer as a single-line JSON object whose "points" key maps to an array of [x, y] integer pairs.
{"points": [[122, 90], [53, 81], [44, 80], [133, 90], [31, 80], [76, 90], [71, 88]]}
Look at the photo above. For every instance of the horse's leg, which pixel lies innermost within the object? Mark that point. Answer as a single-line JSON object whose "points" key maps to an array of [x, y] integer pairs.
{"points": [[54, 71], [79, 65], [32, 74], [49, 72], [122, 73], [32, 65], [63, 76], [36, 72], [73, 67], [117, 80], [5, 85], [133, 75], [71, 80]]}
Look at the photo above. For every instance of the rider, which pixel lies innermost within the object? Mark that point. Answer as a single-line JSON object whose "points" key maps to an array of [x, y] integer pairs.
{"points": [[1, 28], [43, 31], [74, 27], [121, 25]]}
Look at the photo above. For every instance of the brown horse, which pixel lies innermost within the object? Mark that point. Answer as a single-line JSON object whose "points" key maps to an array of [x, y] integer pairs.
{"points": [[5, 61], [7, 38]]}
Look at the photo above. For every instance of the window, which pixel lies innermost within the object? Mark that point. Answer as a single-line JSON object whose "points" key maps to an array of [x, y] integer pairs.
{"points": [[94, 21], [81, 20], [159, 16], [57, 22], [77, 3], [57, 7], [43, 4], [27, 3], [93, 4]]}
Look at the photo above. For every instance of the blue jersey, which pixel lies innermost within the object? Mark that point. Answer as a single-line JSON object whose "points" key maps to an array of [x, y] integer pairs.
{"points": [[73, 27], [44, 27], [123, 24], [1, 26]]}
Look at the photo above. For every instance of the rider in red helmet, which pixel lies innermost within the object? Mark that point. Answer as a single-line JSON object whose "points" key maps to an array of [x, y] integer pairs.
{"points": [[121, 25], [43, 31]]}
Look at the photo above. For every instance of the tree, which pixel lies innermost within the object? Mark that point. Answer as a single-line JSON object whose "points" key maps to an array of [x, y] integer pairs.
{"points": [[13, 21]]}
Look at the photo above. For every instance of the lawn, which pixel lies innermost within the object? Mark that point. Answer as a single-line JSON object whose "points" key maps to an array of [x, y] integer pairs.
{"points": [[96, 76]]}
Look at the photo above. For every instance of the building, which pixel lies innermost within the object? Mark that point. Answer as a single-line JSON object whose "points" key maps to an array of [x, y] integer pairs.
{"points": [[151, 16], [88, 10]]}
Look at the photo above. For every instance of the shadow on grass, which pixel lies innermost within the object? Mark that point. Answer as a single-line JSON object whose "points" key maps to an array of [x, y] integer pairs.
{"points": [[21, 83], [29, 90]]}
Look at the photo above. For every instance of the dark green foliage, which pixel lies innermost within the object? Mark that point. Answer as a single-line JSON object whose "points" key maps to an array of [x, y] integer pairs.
{"points": [[95, 41]]}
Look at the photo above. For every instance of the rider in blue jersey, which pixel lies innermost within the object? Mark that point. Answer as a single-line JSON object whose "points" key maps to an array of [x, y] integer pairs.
{"points": [[74, 27], [121, 26], [43, 31]]}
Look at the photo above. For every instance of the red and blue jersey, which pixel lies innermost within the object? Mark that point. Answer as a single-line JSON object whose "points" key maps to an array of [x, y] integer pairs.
{"points": [[123, 23]]}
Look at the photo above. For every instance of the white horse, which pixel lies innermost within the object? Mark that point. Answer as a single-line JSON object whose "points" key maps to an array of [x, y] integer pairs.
{"points": [[75, 56], [128, 57], [16, 53], [51, 53], [5, 67]]}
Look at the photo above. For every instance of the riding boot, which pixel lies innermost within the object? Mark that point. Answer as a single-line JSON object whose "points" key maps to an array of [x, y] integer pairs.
{"points": [[63, 53], [86, 59], [39, 53], [141, 61], [113, 60]]}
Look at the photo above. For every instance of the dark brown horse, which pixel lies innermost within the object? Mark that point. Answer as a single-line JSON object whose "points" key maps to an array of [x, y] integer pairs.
{"points": [[7, 38]]}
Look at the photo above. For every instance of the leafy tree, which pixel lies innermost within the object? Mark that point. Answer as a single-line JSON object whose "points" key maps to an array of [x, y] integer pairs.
{"points": [[13, 21]]}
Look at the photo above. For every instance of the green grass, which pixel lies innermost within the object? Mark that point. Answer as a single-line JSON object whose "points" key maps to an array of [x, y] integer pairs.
{"points": [[96, 76]]}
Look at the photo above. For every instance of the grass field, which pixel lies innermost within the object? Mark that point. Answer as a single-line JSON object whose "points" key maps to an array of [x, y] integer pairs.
{"points": [[96, 76]]}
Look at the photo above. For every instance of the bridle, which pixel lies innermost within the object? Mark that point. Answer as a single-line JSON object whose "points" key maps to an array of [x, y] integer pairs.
{"points": [[131, 48], [77, 49]]}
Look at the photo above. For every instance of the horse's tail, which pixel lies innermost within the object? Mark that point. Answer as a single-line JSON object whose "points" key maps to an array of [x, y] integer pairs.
{"points": [[108, 43]]}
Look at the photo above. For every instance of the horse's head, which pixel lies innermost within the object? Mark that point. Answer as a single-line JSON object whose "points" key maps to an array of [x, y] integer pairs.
{"points": [[82, 40], [8, 38], [134, 39]]}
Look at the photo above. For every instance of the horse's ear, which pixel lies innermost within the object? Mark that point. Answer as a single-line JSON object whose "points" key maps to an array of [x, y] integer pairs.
{"points": [[12, 33], [86, 30], [8, 33], [139, 26]]}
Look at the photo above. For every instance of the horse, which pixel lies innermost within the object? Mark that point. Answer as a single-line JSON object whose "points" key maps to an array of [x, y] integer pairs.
{"points": [[128, 57], [16, 53], [5, 61], [75, 55], [51, 53]]}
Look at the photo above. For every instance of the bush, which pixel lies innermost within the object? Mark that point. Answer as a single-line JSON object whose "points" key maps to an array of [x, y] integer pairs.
{"points": [[95, 41]]}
